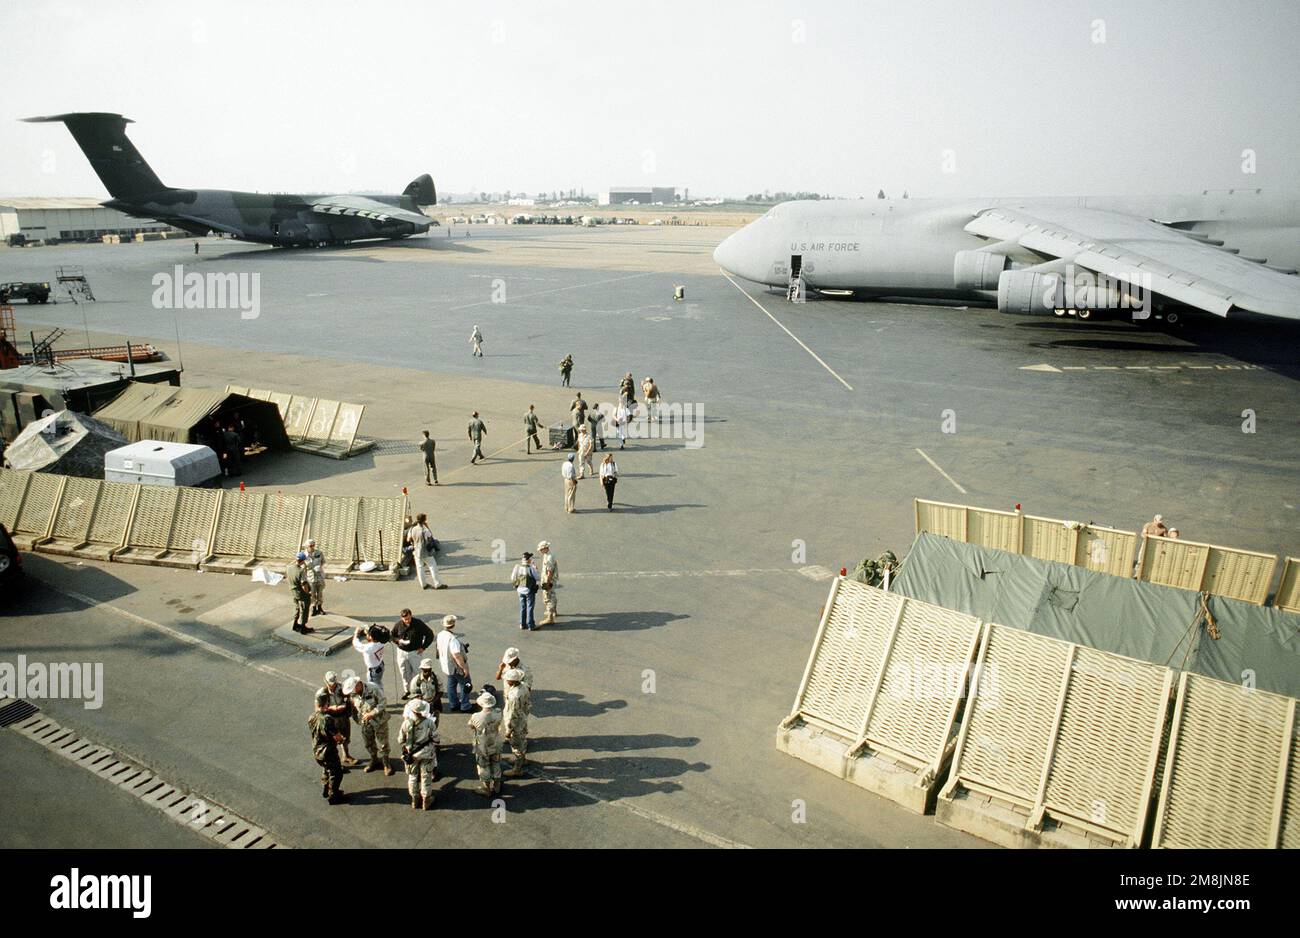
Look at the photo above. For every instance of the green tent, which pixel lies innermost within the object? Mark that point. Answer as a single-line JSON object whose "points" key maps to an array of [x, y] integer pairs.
{"points": [[173, 415], [1129, 617]]}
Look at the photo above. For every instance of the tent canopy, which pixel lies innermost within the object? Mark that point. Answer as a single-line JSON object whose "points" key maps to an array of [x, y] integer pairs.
{"points": [[179, 415], [67, 443], [1112, 613]]}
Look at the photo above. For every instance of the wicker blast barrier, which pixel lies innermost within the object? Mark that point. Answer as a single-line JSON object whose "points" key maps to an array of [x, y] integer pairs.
{"points": [[1059, 747], [227, 531], [881, 692], [315, 425], [1190, 565]]}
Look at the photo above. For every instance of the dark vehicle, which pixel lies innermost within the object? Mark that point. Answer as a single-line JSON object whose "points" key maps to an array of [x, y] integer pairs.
{"points": [[11, 564], [31, 292]]}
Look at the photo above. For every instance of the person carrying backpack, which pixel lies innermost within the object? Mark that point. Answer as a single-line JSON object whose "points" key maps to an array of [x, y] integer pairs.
{"points": [[423, 544], [525, 579]]}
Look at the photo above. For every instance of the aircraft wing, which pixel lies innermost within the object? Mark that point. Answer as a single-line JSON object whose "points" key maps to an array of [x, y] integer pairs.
{"points": [[1127, 247], [362, 207]]}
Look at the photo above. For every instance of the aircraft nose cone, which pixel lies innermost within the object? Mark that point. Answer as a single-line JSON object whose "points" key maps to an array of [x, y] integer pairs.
{"points": [[729, 255]]}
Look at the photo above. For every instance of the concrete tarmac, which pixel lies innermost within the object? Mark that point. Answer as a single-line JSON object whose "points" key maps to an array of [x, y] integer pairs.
{"points": [[687, 613]]}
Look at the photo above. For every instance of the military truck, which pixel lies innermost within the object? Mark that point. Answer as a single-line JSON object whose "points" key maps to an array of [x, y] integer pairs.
{"points": [[31, 292]]}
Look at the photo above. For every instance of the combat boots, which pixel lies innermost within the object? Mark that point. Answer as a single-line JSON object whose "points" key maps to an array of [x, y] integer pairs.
{"points": [[388, 767], [415, 802], [428, 802], [337, 797], [374, 766], [518, 769]]}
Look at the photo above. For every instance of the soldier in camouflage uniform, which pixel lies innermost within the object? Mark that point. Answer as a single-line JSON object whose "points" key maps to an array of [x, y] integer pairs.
{"points": [[510, 659], [300, 585], [486, 726], [418, 738], [425, 686], [316, 567], [515, 718], [368, 710], [325, 739], [331, 701]]}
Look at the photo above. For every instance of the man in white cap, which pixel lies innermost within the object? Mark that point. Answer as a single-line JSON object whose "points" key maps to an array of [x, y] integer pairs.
{"points": [[453, 657], [418, 738], [316, 568], [368, 710], [1155, 527], [510, 659], [331, 701], [515, 717], [486, 726], [550, 579], [425, 686]]}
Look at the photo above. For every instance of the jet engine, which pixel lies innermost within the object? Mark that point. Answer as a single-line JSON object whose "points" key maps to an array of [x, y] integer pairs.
{"points": [[977, 270], [1036, 293]]}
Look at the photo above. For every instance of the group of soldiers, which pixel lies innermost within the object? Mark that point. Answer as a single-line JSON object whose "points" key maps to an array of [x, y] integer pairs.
{"points": [[342, 702]]}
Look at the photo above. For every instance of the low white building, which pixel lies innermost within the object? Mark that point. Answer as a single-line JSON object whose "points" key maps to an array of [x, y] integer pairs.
{"points": [[68, 219]]}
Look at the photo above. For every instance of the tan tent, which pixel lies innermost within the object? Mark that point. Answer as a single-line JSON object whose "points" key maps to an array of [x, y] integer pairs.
{"points": [[181, 415]]}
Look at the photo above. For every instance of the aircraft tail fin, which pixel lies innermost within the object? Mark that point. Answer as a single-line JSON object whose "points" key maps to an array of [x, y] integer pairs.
{"points": [[113, 157], [421, 190]]}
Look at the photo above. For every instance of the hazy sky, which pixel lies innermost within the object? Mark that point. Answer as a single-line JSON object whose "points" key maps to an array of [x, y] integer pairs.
{"points": [[940, 98]]}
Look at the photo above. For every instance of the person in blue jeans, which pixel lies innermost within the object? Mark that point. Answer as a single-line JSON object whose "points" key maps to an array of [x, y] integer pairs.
{"points": [[453, 657], [525, 578]]}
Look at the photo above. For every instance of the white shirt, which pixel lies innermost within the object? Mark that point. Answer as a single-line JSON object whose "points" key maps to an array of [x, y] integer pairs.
{"points": [[609, 470], [416, 536], [522, 569], [567, 470], [371, 652], [448, 645]]}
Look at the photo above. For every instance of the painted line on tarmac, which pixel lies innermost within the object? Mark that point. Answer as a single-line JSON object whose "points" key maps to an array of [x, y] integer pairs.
{"points": [[572, 286], [787, 331], [182, 636], [715, 840], [940, 471], [498, 452]]}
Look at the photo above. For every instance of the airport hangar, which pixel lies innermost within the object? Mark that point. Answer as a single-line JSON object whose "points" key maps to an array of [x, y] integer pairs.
{"points": [[643, 195], [68, 219]]}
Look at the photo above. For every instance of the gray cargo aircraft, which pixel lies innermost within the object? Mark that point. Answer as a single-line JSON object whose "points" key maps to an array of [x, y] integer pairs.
{"points": [[280, 219], [1229, 254]]}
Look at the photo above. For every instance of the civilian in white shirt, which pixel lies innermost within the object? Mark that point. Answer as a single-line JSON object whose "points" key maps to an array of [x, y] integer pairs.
{"points": [[372, 653], [620, 424], [525, 579], [570, 473], [453, 657], [421, 540], [609, 478]]}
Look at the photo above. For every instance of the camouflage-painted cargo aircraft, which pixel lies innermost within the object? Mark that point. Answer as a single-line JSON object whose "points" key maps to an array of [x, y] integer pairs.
{"points": [[284, 220]]}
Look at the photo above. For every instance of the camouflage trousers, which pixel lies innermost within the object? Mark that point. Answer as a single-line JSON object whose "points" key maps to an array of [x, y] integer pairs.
{"points": [[375, 735], [518, 740], [489, 768], [331, 772], [548, 602], [318, 593], [419, 777]]}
